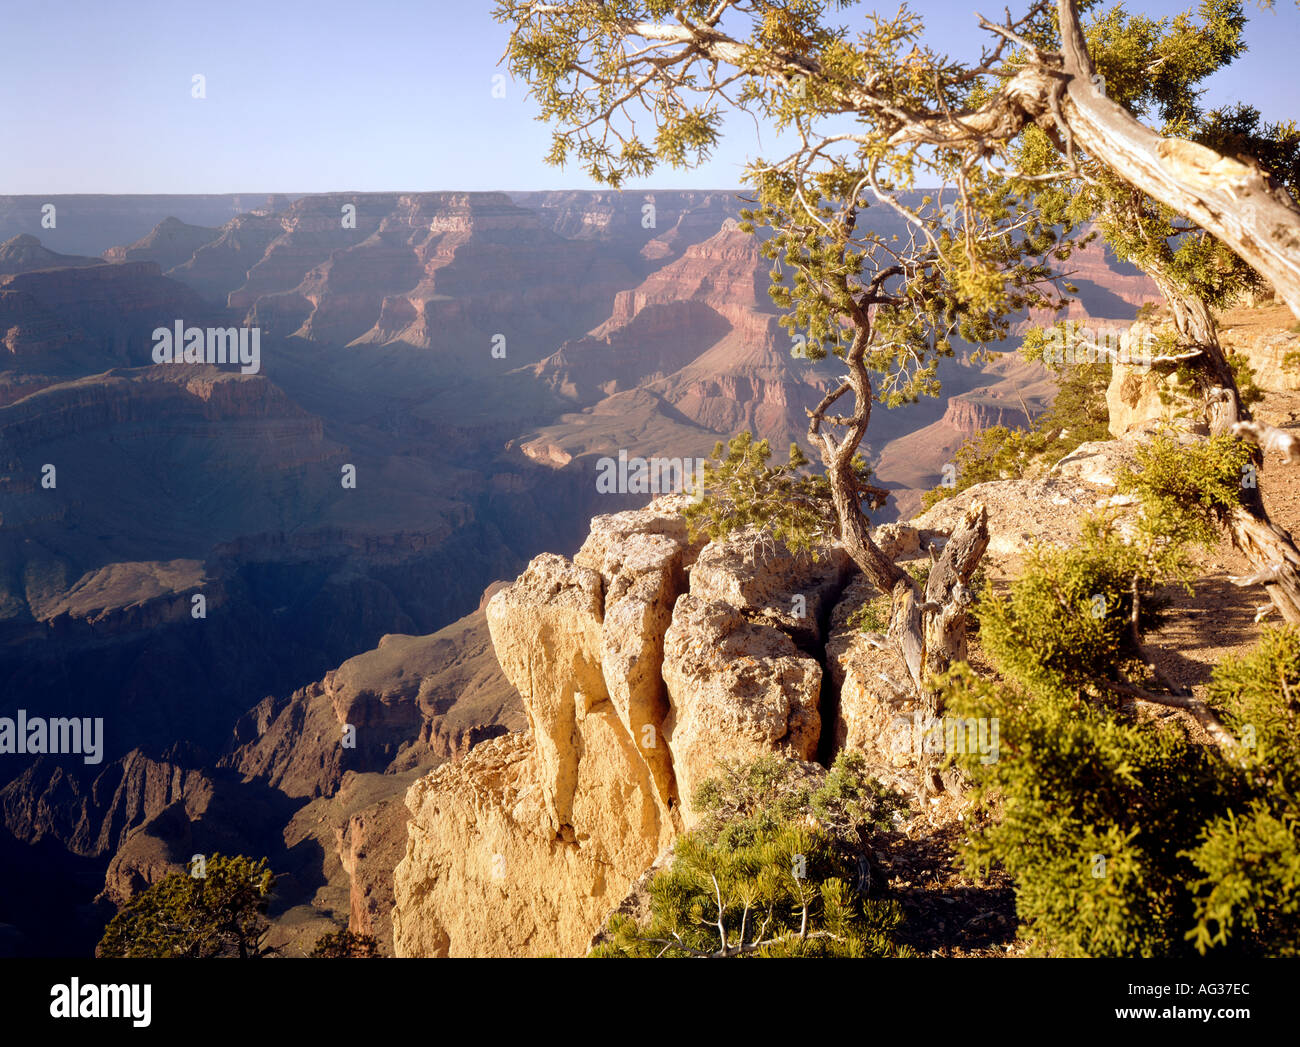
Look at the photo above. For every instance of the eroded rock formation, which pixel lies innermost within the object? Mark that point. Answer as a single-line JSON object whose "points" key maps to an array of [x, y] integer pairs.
{"points": [[642, 664]]}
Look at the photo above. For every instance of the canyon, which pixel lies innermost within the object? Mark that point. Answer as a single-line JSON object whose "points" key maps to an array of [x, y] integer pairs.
{"points": [[470, 357]]}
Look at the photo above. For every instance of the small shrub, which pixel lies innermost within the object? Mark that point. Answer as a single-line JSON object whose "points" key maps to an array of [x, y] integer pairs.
{"points": [[346, 945], [776, 861]]}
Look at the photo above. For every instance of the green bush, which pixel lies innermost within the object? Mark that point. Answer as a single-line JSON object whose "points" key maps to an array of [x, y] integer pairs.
{"points": [[181, 916], [1249, 857], [791, 501], [1187, 490], [774, 868], [1124, 835]]}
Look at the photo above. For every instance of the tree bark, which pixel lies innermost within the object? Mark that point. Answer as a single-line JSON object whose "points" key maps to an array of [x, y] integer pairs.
{"points": [[1234, 200], [929, 635], [947, 590], [1270, 549], [1272, 552]]}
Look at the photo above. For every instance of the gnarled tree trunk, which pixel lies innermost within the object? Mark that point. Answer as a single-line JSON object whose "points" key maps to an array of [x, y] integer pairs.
{"points": [[928, 630], [1270, 549], [1235, 201]]}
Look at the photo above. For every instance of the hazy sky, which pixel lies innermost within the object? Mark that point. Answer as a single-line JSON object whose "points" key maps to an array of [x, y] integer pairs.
{"points": [[95, 96]]}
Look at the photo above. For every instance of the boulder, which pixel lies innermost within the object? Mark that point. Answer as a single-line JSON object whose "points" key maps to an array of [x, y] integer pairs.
{"points": [[766, 581], [736, 690]]}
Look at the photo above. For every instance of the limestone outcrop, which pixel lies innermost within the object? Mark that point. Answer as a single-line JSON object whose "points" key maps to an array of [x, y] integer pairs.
{"points": [[737, 690], [642, 663], [752, 575], [1045, 507], [869, 679], [1268, 339], [524, 845]]}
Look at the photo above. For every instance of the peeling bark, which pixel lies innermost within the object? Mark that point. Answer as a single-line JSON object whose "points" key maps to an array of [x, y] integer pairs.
{"points": [[948, 589]]}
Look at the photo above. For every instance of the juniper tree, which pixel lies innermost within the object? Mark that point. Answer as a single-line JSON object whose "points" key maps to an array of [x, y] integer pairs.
{"points": [[1126, 835], [780, 864], [888, 307], [1155, 69], [633, 84], [591, 63], [220, 913]]}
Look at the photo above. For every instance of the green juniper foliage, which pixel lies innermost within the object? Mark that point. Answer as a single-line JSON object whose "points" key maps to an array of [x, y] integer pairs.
{"points": [[1092, 816], [779, 865], [1067, 620], [1248, 857], [791, 501], [218, 914], [1187, 488], [1125, 836]]}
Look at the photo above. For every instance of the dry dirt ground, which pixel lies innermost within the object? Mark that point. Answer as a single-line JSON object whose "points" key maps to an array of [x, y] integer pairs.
{"points": [[952, 914]]}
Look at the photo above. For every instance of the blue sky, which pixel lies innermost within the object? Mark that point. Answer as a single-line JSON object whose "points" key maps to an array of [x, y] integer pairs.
{"points": [[95, 97]]}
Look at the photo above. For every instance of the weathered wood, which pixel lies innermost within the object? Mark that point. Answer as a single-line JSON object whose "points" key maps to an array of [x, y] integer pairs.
{"points": [[947, 591], [1235, 201], [1270, 550], [929, 634]]}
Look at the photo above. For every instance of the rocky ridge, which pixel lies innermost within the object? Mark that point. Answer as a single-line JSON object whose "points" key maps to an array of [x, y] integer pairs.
{"points": [[642, 663]]}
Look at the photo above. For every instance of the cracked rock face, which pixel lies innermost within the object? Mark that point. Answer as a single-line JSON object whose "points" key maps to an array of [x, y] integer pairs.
{"points": [[737, 690], [643, 579], [642, 664], [525, 845], [870, 706], [766, 581], [662, 517], [633, 691], [546, 630]]}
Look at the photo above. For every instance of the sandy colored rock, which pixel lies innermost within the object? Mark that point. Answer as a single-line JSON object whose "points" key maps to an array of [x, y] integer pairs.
{"points": [[1139, 396], [752, 573], [521, 847], [546, 630], [737, 690], [1266, 337], [486, 875], [1098, 463], [644, 577], [1048, 507], [868, 707], [661, 517]]}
